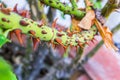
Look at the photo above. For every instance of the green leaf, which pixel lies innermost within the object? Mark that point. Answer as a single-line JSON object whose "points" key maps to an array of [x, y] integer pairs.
{"points": [[62, 15], [3, 40], [6, 72], [98, 5]]}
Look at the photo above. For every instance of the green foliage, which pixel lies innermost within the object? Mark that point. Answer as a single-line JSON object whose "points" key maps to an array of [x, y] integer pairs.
{"points": [[6, 72], [97, 4], [3, 40]]}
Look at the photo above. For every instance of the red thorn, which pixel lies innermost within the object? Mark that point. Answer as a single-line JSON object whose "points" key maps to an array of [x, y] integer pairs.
{"points": [[60, 42], [15, 8], [19, 36], [11, 33], [87, 43], [1, 5], [53, 45], [6, 10], [42, 22], [77, 48], [69, 33], [71, 45], [24, 39], [54, 23], [92, 41], [80, 44], [24, 13], [36, 42], [95, 39], [32, 32]]}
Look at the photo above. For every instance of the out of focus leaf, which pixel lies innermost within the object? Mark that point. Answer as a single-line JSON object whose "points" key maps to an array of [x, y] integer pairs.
{"points": [[88, 3], [87, 21], [3, 40], [62, 15], [106, 35], [97, 5], [110, 6], [6, 71]]}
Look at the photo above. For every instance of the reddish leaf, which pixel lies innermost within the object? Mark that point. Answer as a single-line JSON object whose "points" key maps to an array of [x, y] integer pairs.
{"points": [[87, 21]]}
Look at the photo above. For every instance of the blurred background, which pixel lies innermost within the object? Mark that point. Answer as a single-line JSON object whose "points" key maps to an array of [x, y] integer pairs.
{"points": [[47, 63]]}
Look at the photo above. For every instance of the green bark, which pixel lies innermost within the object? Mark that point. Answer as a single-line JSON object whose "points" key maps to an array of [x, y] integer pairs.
{"points": [[13, 21], [64, 8]]}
